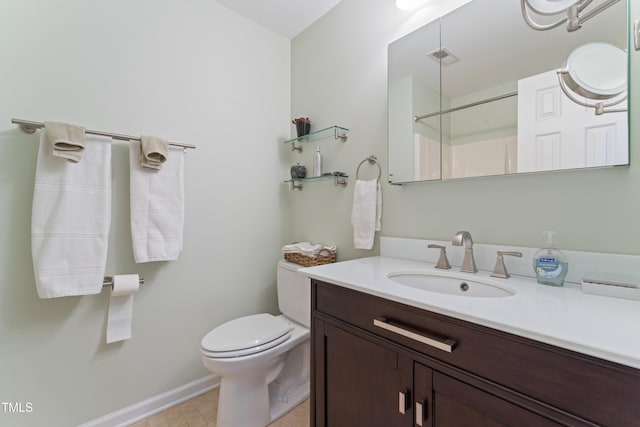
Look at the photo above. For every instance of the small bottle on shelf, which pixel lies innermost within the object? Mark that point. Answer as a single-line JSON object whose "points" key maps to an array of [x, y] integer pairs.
{"points": [[317, 162]]}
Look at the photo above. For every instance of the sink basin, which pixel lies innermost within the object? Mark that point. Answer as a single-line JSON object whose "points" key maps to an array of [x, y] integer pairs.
{"points": [[451, 284]]}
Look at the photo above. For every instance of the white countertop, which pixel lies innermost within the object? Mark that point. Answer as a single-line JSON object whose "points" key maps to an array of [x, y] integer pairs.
{"points": [[604, 327]]}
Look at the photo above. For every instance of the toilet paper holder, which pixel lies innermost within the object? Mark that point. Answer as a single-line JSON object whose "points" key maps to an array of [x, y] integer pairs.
{"points": [[108, 281]]}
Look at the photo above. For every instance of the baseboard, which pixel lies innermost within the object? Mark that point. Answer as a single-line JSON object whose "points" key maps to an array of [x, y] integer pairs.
{"points": [[148, 407]]}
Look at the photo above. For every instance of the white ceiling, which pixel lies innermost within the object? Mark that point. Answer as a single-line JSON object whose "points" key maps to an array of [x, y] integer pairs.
{"points": [[286, 17]]}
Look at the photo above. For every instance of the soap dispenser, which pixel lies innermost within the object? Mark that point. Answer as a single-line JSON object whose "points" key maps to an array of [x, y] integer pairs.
{"points": [[549, 264]]}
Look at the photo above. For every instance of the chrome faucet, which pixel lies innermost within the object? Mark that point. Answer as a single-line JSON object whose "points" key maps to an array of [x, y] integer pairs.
{"points": [[468, 263]]}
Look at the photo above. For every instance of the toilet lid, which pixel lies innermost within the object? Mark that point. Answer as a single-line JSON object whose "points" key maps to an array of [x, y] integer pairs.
{"points": [[246, 335]]}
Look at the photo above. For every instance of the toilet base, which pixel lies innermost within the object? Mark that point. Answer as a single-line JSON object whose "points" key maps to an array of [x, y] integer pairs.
{"points": [[291, 387], [279, 407], [255, 408], [257, 400], [260, 388]]}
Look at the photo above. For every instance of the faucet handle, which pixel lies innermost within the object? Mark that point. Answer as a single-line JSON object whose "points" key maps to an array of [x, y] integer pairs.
{"points": [[443, 262], [500, 270]]}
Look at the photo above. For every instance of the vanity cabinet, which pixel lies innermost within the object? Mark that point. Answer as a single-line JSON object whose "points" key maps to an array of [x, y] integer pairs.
{"points": [[376, 362]]}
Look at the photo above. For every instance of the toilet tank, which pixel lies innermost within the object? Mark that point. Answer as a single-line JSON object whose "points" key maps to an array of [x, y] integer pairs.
{"points": [[294, 293]]}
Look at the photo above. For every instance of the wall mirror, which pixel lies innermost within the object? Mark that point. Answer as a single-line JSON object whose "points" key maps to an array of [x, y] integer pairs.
{"points": [[481, 92]]}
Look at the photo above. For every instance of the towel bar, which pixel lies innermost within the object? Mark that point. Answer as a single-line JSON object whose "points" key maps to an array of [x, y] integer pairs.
{"points": [[108, 281], [30, 127]]}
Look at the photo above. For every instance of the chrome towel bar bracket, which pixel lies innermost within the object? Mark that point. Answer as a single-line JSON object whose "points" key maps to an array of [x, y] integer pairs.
{"points": [[108, 281]]}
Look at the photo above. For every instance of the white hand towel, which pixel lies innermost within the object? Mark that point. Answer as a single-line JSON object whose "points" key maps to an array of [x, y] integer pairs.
{"points": [[70, 219], [157, 206], [366, 214], [67, 141], [306, 248], [378, 207]]}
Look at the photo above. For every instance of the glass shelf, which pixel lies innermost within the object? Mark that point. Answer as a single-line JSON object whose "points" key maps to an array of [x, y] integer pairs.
{"points": [[337, 132], [339, 180]]}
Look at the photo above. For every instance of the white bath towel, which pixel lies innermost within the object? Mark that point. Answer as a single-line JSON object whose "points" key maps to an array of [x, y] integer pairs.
{"points": [[157, 206], [366, 214], [70, 219]]}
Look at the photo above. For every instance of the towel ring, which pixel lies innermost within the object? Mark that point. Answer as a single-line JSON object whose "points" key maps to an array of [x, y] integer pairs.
{"points": [[373, 160]]}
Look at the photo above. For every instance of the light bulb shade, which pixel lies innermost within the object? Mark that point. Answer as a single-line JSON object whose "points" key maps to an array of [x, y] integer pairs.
{"points": [[596, 71], [551, 7]]}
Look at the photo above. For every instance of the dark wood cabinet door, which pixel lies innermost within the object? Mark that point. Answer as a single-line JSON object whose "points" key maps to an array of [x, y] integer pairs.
{"points": [[358, 382], [457, 404], [423, 402]]}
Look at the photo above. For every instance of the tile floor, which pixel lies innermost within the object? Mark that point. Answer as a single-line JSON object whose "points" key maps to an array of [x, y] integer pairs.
{"points": [[201, 411]]}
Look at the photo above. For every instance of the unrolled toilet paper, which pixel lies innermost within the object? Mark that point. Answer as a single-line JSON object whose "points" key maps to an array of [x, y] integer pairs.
{"points": [[121, 307]]}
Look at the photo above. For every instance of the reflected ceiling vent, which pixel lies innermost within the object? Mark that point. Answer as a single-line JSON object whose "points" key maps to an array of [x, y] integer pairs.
{"points": [[443, 56]]}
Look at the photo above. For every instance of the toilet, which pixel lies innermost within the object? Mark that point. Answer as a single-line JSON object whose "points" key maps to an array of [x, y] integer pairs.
{"points": [[263, 360]]}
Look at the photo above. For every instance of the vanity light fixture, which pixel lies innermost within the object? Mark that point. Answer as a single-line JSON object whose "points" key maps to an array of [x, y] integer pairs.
{"points": [[410, 4], [598, 73], [572, 12]]}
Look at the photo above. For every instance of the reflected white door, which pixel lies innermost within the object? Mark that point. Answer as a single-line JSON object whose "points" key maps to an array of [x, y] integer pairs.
{"points": [[556, 133]]}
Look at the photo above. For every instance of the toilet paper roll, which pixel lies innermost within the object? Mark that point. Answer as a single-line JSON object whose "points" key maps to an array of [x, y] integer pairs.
{"points": [[121, 307]]}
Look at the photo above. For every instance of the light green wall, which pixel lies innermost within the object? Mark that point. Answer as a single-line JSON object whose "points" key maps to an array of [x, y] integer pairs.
{"points": [[339, 76], [185, 70]]}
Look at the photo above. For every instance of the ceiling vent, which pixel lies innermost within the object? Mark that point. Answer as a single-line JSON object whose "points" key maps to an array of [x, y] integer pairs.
{"points": [[443, 56]]}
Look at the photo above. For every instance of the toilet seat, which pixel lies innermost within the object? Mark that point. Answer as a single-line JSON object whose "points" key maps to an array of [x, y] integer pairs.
{"points": [[245, 336]]}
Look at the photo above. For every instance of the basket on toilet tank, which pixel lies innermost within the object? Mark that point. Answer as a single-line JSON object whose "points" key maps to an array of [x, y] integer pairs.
{"points": [[308, 255]]}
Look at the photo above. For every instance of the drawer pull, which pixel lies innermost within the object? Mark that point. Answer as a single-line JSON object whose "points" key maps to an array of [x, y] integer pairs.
{"points": [[403, 401], [441, 344], [420, 413]]}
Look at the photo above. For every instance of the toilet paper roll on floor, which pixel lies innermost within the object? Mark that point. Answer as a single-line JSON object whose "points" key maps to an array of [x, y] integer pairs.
{"points": [[121, 307]]}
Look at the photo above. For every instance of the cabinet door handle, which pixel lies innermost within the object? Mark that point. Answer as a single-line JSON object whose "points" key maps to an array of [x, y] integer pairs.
{"points": [[403, 400], [439, 343], [420, 412]]}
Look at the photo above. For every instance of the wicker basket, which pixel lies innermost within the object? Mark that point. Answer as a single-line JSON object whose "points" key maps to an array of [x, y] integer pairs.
{"points": [[325, 256]]}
